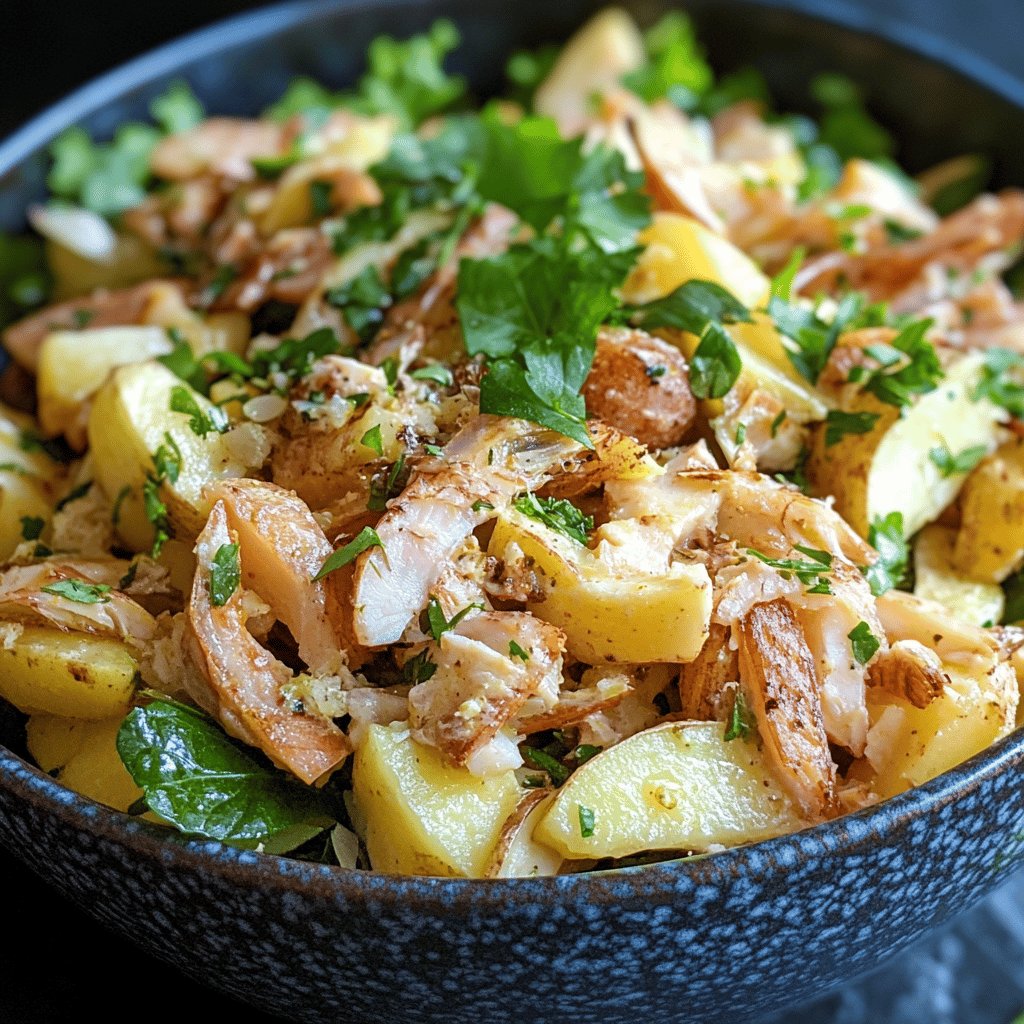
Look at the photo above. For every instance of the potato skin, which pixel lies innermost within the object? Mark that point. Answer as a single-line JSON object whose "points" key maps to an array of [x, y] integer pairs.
{"points": [[641, 385], [990, 543], [68, 674]]}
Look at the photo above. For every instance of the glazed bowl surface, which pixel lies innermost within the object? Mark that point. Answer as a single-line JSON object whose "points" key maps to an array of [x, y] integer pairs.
{"points": [[727, 937]]}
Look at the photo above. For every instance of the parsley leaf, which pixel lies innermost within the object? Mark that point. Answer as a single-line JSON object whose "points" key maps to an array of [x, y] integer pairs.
{"points": [[201, 421], [963, 462], [846, 126], [908, 366], [809, 573], [546, 763], [865, 643], [294, 357], [79, 591], [225, 574], [675, 68], [32, 527], [365, 539], [812, 339], [587, 821], [526, 69], [1002, 380], [885, 535], [73, 495], [839, 424], [372, 440], [741, 720], [363, 301], [715, 365], [437, 624], [436, 372], [1014, 589], [557, 514], [419, 668], [24, 276], [515, 651], [199, 780], [691, 307]]}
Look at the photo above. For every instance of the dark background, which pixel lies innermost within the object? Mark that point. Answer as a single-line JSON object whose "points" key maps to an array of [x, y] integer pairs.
{"points": [[56, 965]]}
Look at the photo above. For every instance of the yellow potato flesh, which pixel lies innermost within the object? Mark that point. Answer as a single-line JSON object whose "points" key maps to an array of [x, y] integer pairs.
{"points": [[609, 617], [890, 469], [679, 786], [420, 816], [69, 674], [679, 249], [936, 579], [84, 757], [129, 421], [922, 743], [74, 364], [20, 497], [74, 274], [990, 542]]}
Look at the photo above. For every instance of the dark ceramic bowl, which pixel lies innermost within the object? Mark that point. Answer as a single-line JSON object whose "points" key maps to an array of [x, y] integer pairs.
{"points": [[722, 938]]}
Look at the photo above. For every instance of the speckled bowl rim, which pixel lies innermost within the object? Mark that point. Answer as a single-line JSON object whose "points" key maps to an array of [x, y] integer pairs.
{"points": [[846, 835]]}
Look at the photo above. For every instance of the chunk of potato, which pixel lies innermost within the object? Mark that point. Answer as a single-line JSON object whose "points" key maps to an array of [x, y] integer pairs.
{"points": [[907, 746], [70, 674], [890, 469], [592, 61], [128, 262], [73, 366], [518, 854], [21, 496], [990, 542], [83, 756], [679, 249], [609, 616], [936, 579], [419, 816], [130, 419], [678, 786]]}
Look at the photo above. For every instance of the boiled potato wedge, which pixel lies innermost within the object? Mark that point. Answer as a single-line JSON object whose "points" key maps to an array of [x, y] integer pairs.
{"points": [[679, 249], [518, 854], [678, 786], [936, 579], [595, 59], [73, 366], [130, 419], [418, 816], [21, 497], [908, 746], [890, 469], [83, 756], [990, 542], [69, 674], [609, 616]]}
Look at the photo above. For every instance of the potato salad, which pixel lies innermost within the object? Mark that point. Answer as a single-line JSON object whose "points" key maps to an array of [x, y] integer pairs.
{"points": [[615, 471]]}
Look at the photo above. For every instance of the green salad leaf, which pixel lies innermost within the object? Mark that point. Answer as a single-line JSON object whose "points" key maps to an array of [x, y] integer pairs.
{"points": [[195, 777]]}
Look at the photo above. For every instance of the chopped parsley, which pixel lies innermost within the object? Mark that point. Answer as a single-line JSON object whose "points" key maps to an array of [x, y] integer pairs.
{"points": [[546, 763], [557, 514], [437, 624], [32, 527], [865, 643], [225, 574], [812, 339], [906, 366], [586, 816], [741, 720], [372, 440], [385, 486], [812, 574], [73, 495], [419, 668], [364, 540], [515, 651], [963, 462], [585, 751], [436, 372], [320, 198], [79, 591], [362, 301], [676, 68], [167, 461], [839, 424], [885, 535], [200, 421], [1002, 380]]}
